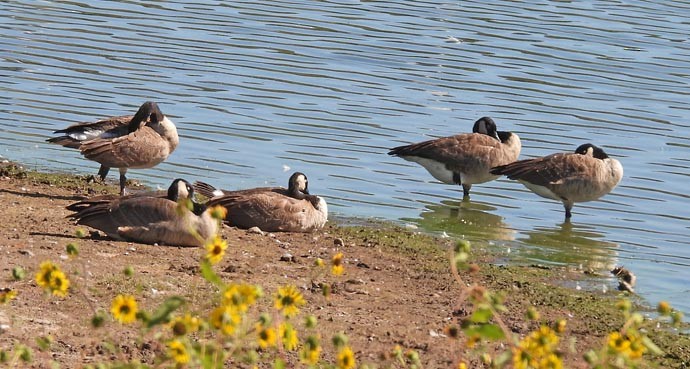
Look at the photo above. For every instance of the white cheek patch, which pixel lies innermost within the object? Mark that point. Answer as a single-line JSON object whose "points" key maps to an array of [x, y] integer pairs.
{"points": [[301, 183], [182, 190]]}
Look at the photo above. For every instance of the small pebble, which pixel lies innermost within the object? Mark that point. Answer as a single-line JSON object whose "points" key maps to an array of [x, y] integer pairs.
{"points": [[26, 252], [339, 242], [256, 230], [287, 257]]}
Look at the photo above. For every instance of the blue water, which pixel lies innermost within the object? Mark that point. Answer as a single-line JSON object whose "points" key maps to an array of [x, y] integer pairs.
{"points": [[259, 89]]}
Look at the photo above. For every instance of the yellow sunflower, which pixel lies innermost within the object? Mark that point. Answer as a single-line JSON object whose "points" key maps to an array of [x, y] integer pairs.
{"points": [[215, 249], [124, 309], [178, 352], [219, 212], [266, 336], [58, 283], [186, 324], [311, 351], [225, 319], [337, 267], [346, 358], [43, 275], [288, 300], [6, 295], [241, 296]]}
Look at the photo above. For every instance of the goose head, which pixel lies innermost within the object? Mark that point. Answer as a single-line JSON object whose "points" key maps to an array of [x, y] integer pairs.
{"points": [[486, 126], [147, 111], [591, 150], [298, 188], [298, 185], [161, 124], [180, 189]]}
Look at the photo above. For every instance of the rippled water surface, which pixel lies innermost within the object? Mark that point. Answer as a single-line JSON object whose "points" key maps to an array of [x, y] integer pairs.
{"points": [[257, 87]]}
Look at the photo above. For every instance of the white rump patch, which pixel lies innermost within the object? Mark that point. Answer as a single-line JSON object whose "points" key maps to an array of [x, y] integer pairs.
{"points": [[541, 191], [437, 169]]}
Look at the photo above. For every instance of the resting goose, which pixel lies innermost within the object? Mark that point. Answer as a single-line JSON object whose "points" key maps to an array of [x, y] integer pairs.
{"points": [[585, 175], [272, 209], [140, 141], [148, 218], [464, 159]]}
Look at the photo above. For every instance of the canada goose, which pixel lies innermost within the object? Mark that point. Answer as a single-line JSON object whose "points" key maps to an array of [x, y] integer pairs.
{"points": [[464, 159], [148, 218], [271, 208], [298, 185], [140, 141], [585, 175]]}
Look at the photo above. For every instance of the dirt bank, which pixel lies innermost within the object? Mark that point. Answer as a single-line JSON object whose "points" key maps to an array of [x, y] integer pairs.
{"points": [[396, 290]]}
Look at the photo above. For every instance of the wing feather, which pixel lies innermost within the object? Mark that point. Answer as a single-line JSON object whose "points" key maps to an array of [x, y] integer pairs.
{"points": [[549, 170], [142, 148], [458, 153]]}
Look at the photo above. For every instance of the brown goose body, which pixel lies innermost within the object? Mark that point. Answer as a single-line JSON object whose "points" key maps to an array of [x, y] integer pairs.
{"points": [[274, 209], [140, 141], [209, 191], [148, 218], [464, 159], [584, 175]]}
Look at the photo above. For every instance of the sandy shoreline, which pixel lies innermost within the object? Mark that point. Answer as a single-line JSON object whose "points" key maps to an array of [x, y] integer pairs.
{"points": [[396, 290]]}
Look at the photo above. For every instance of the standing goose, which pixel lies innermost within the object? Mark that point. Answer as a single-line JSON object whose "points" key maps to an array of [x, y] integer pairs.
{"points": [[585, 175], [272, 209], [140, 141], [148, 218], [467, 158]]}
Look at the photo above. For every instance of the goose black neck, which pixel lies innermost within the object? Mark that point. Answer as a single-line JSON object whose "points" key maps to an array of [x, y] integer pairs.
{"points": [[146, 110]]}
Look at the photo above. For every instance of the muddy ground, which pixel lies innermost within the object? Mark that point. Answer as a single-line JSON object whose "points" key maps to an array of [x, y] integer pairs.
{"points": [[396, 289]]}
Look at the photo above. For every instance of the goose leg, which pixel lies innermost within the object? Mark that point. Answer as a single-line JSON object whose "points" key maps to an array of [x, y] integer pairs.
{"points": [[103, 172], [466, 189], [568, 214], [123, 181]]}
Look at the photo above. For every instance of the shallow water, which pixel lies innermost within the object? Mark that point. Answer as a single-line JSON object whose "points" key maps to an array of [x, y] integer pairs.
{"points": [[257, 87]]}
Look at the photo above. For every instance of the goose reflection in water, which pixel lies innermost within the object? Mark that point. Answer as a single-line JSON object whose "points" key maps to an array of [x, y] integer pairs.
{"points": [[568, 243], [469, 219]]}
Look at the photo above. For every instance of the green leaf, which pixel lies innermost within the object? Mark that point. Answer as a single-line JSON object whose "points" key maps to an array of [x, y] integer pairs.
{"points": [[72, 249], [162, 315], [489, 331], [44, 342], [18, 273], [24, 353], [210, 275], [651, 346], [481, 315]]}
